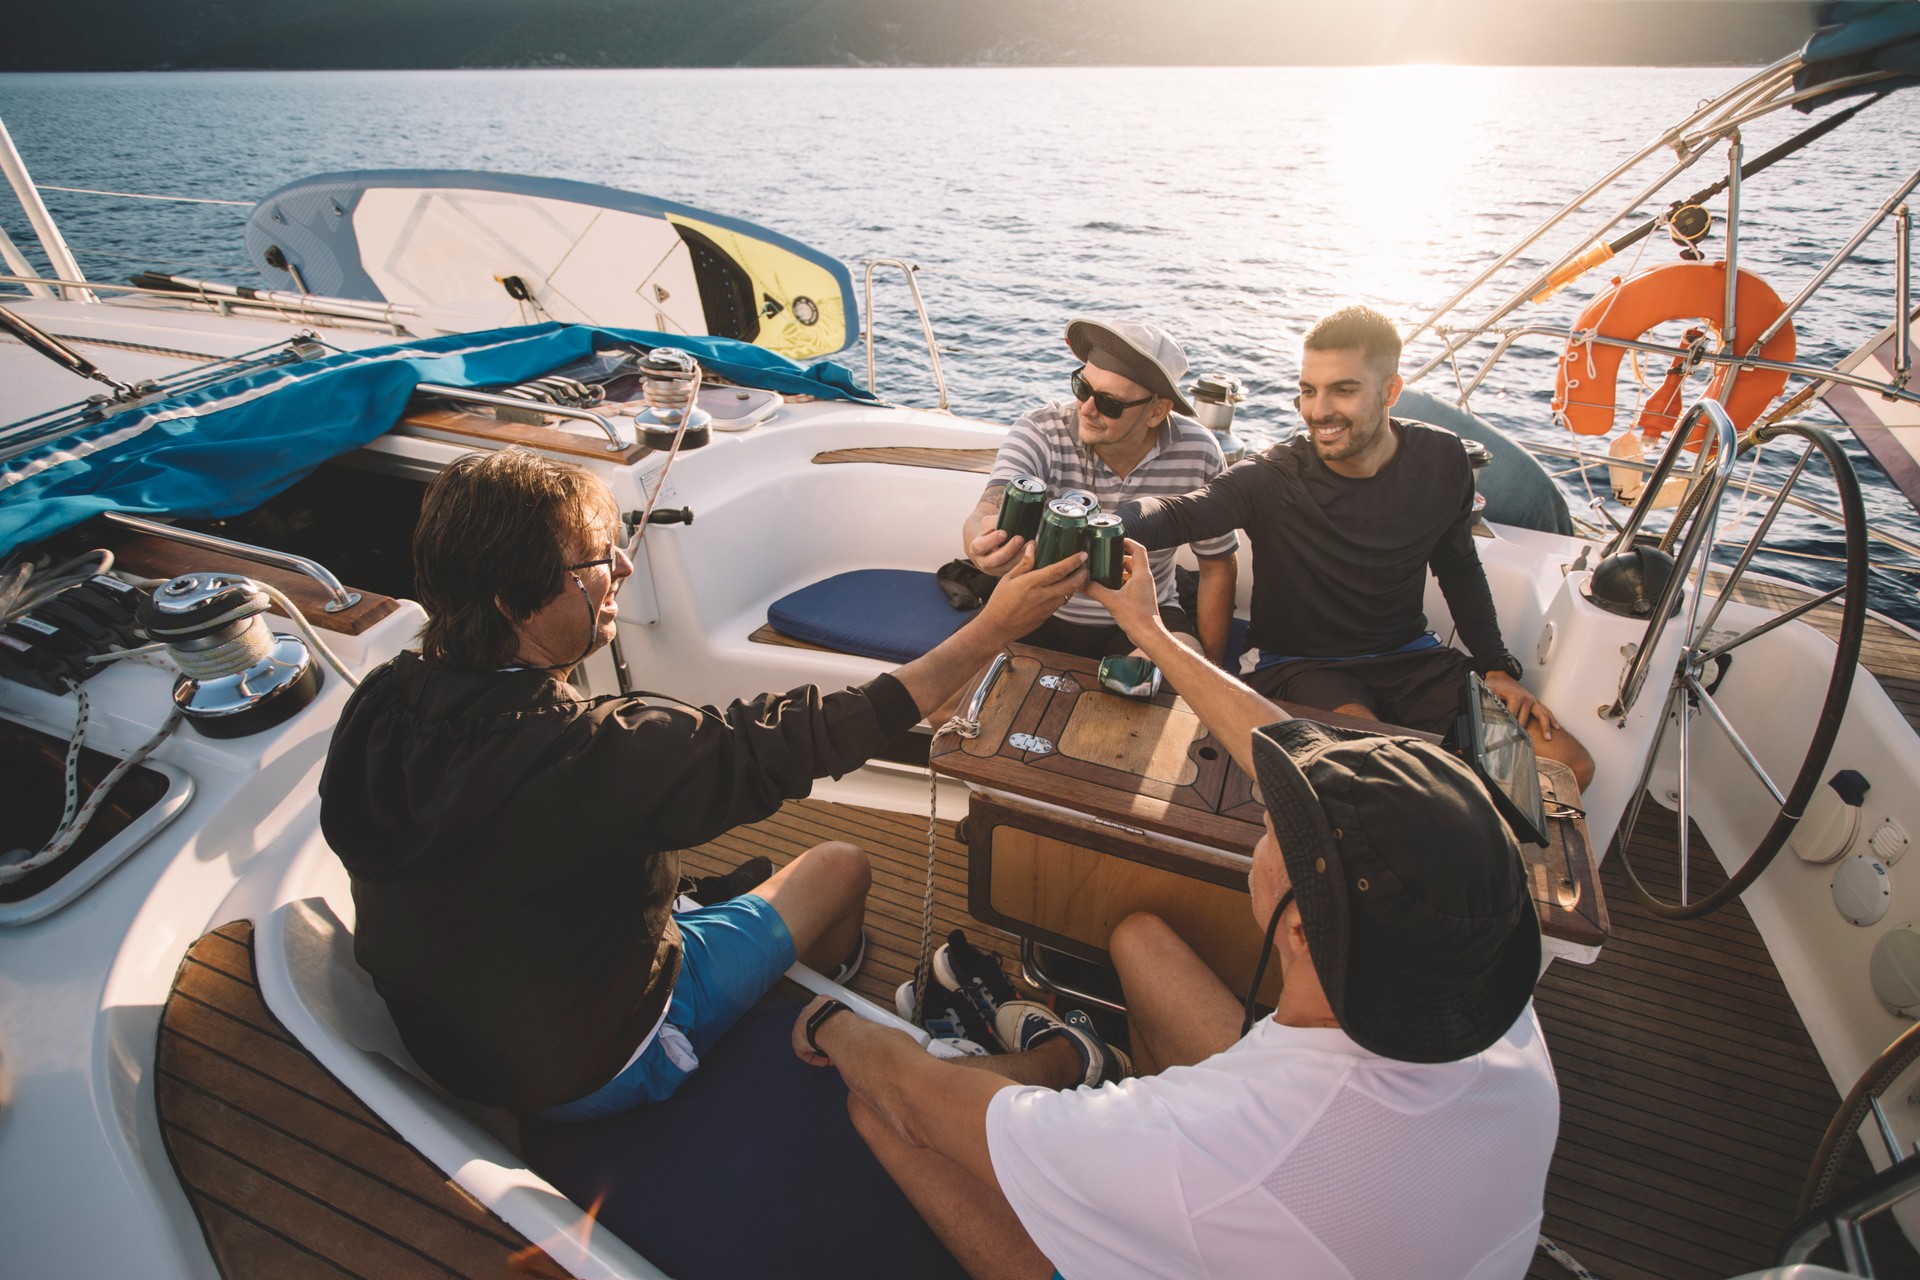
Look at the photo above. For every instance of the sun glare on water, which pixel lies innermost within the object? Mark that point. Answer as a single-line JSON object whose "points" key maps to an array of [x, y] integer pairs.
{"points": [[1404, 149]]}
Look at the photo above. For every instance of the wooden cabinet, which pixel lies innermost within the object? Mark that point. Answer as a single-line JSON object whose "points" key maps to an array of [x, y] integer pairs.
{"points": [[1088, 806], [1065, 879]]}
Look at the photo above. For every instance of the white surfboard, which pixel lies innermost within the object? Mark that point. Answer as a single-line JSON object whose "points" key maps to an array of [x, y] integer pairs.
{"points": [[504, 250]]}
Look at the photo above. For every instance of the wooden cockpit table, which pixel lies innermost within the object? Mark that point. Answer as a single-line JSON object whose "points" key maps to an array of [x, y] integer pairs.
{"points": [[1088, 806]]}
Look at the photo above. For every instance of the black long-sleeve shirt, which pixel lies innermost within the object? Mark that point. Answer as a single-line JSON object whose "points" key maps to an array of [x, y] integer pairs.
{"points": [[1339, 564], [512, 847]]}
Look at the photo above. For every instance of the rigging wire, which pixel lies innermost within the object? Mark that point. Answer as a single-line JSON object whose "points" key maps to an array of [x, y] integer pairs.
{"points": [[135, 195], [150, 260]]}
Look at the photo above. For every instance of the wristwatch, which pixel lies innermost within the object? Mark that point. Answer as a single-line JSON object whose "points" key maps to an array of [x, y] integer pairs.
{"points": [[1505, 662], [817, 1020]]}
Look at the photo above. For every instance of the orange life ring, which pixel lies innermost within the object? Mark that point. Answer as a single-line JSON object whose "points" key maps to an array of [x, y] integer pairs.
{"points": [[1678, 291]]}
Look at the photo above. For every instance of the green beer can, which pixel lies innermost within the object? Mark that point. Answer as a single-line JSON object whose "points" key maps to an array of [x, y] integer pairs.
{"points": [[1022, 503], [1129, 675], [1062, 530], [1085, 498], [1106, 549]]}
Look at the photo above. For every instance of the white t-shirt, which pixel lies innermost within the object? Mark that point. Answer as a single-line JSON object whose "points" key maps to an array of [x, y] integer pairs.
{"points": [[1294, 1153]]}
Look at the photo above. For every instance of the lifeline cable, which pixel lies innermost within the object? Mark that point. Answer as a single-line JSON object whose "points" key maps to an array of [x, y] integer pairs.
{"points": [[923, 971]]}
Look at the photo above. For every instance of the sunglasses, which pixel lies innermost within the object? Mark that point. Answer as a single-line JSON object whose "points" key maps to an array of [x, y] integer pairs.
{"points": [[1107, 406]]}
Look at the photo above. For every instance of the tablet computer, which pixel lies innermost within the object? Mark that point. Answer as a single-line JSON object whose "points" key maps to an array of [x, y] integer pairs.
{"points": [[1497, 747]]}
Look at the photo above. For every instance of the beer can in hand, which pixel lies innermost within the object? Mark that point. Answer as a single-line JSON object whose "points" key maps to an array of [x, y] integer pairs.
{"points": [[1106, 550], [1085, 498], [1062, 530], [1022, 503]]}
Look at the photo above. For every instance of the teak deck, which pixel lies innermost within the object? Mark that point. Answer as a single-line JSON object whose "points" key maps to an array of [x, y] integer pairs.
{"points": [[290, 1175], [1691, 1097]]}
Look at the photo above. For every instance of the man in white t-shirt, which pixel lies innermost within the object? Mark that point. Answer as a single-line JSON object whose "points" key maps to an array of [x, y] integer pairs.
{"points": [[1393, 1118]]}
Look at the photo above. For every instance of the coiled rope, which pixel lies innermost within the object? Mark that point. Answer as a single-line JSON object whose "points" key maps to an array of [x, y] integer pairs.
{"points": [[20, 592], [73, 824]]}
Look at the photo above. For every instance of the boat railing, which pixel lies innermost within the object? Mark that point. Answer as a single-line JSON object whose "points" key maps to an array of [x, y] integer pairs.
{"points": [[466, 395], [910, 271], [1696, 353], [1691, 140], [1586, 459], [339, 598], [394, 318], [1699, 354]]}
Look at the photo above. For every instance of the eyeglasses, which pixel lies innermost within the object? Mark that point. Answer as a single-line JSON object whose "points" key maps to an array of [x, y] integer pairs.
{"points": [[1106, 405], [606, 560]]}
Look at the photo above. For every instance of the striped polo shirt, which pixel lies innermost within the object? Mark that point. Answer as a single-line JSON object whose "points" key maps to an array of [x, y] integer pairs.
{"points": [[1045, 442]]}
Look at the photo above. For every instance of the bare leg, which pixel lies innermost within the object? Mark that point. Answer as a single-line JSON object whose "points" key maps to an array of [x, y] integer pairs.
{"points": [[1178, 1011], [1360, 709], [1054, 1064], [822, 897], [1565, 748], [972, 1219]]}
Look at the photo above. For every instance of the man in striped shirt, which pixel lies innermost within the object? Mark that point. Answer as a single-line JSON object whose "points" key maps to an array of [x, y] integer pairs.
{"points": [[1119, 439]]}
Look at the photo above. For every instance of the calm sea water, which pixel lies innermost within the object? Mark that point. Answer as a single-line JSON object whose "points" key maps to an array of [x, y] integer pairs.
{"points": [[1232, 206]]}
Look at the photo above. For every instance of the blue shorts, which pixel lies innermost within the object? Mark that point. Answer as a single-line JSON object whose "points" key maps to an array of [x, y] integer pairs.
{"points": [[731, 954]]}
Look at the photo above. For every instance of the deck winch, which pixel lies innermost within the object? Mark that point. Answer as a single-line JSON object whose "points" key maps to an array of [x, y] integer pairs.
{"points": [[670, 383], [239, 677]]}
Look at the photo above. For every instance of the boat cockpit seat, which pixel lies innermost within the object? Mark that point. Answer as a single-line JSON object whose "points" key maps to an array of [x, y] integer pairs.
{"points": [[331, 986], [311, 982], [753, 1168], [892, 614]]}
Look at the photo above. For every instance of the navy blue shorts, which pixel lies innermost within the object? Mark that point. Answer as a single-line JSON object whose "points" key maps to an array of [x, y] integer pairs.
{"points": [[1420, 688]]}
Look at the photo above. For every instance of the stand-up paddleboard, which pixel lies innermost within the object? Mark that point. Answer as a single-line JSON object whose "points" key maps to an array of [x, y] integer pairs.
{"points": [[505, 250]]}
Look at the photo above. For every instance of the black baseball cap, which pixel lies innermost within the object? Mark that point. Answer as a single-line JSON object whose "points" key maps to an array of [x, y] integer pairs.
{"points": [[1410, 887]]}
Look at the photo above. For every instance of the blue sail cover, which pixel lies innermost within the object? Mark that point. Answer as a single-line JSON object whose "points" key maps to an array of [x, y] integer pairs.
{"points": [[1857, 37], [225, 449]]}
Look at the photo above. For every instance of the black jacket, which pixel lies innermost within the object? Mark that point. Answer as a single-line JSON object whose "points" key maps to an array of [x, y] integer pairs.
{"points": [[512, 851]]}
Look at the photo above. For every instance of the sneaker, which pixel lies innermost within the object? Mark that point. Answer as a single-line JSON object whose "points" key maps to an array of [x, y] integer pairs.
{"points": [[956, 1047], [708, 890], [974, 975], [1025, 1024], [851, 965], [946, 1016]]}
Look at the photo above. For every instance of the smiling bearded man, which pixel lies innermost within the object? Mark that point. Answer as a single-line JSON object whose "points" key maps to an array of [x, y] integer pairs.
{"points": [[1345, 518]]}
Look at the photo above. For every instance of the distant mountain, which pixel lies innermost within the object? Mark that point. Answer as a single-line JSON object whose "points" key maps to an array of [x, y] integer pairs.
{"points": [[287, 34]]}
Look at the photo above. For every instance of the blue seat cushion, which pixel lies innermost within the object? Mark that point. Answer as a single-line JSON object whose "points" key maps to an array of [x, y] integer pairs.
{"points": [[752, 1168], [894, 614]]}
